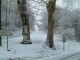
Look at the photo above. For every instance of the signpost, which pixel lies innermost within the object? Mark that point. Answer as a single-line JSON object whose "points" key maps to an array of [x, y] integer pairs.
{"points": [[4, 33], [64, 41]]}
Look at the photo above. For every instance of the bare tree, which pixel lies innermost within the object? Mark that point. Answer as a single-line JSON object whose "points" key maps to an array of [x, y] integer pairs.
{"points": [[25, 21], [6, 13], [51, 9]]}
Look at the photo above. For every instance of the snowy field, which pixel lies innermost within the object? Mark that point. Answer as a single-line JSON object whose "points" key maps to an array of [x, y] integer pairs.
{"points": [[37, 50]]}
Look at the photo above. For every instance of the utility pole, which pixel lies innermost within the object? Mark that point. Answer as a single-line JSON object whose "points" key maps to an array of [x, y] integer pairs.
{"points": [[0, 23]]}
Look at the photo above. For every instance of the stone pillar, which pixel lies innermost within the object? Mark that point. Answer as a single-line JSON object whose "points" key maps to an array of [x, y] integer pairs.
{"points": [[26, 36]]}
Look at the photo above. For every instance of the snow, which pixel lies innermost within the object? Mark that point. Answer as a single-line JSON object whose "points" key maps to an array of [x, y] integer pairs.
{"points": [[38, 49]]}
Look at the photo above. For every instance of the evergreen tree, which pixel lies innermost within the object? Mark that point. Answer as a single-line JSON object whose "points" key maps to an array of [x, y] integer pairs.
{"points": [[77, 30]]}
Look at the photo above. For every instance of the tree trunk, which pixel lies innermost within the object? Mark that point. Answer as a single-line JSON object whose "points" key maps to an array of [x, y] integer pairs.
{"points": [[25, 21], [51, 9], [6, 14], [0, 24]]}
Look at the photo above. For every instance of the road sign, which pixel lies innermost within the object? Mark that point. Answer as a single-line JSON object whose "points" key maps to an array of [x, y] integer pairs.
{"points": [[4, 33], [1, 31]]}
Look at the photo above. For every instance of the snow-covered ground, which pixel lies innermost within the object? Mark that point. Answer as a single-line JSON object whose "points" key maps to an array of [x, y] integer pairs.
{"points": [[37, 50]]}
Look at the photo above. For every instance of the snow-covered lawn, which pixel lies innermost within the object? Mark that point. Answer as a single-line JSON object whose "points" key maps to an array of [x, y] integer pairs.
{"points": [[38, 49]]}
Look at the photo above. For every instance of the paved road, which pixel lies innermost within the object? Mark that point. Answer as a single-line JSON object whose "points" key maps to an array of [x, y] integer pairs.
{"points": [[73, 57], [68, 56]]}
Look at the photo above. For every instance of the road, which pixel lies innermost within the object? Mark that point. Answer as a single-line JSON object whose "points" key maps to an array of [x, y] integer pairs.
{"points": [[73, 57], [67, 56]]}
